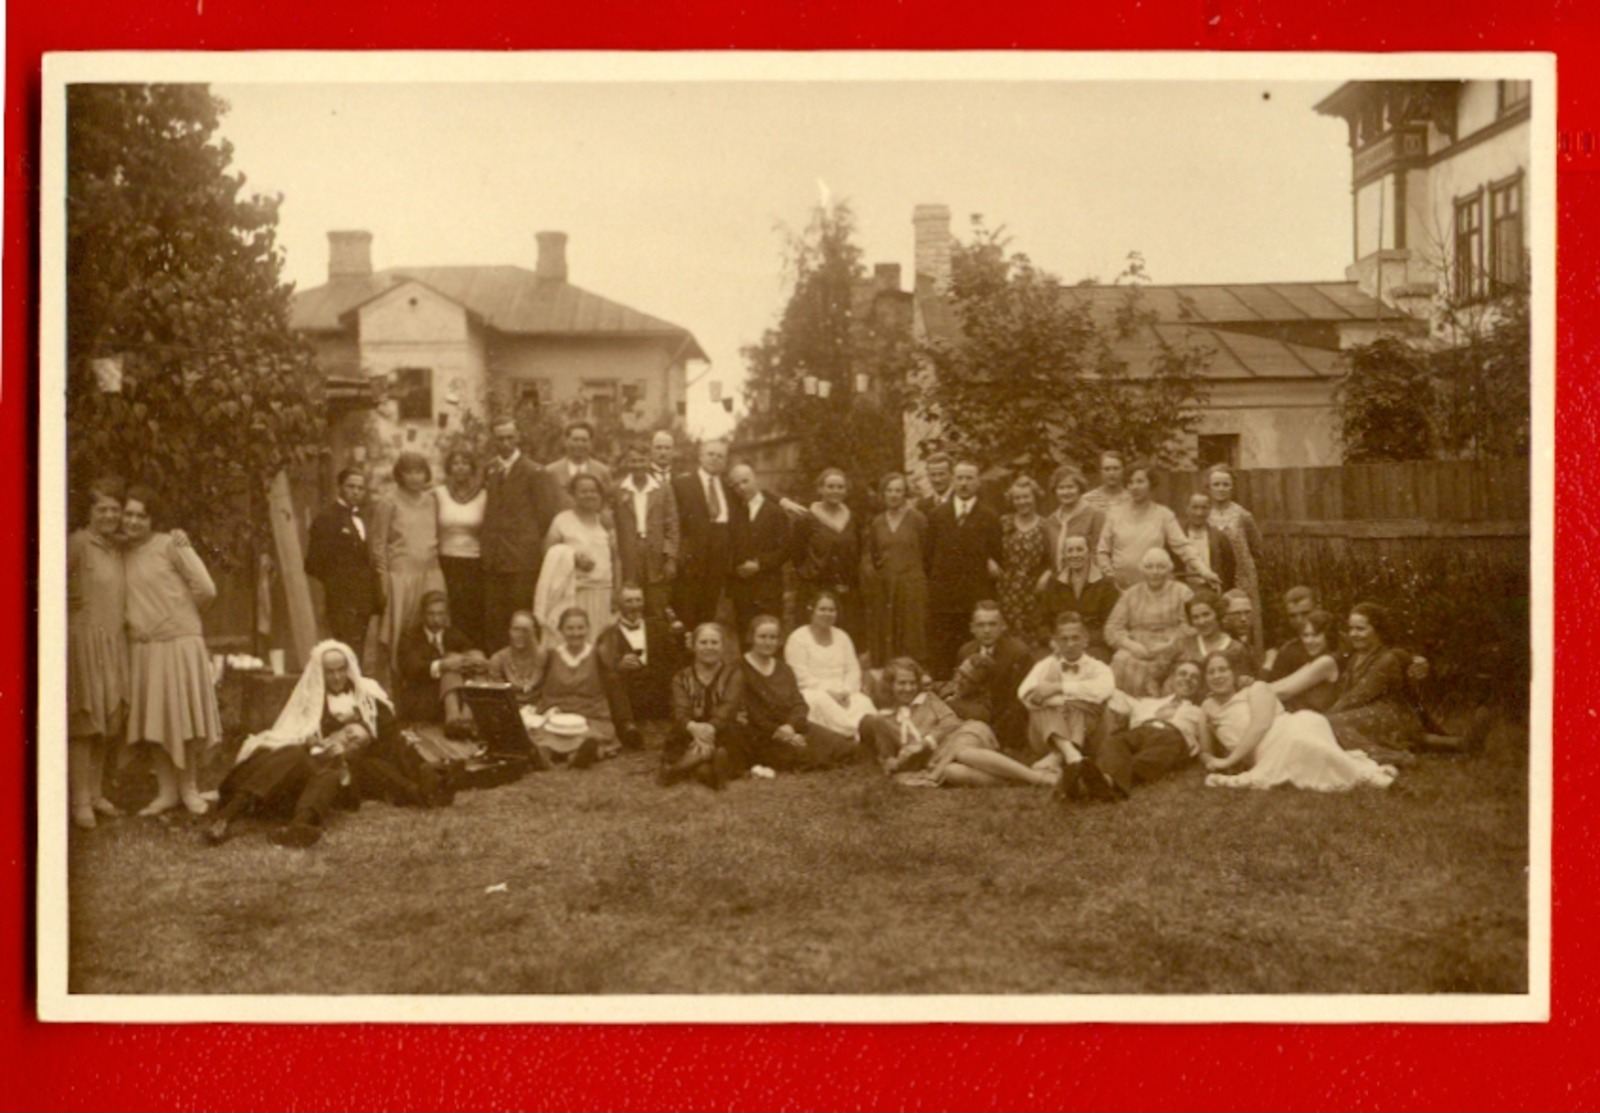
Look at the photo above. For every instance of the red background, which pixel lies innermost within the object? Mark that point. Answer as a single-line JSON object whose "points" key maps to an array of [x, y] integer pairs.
{"points": [[1372, 1066]]}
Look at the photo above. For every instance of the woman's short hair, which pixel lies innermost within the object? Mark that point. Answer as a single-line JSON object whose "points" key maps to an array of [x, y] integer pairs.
{"points": [[1320, 622], [883, 484], [1204, 599], [1066, 472], [1218, 655], [146, 497], [412, 461], [1237, 595], [529, 615], [1158, 554], [429, 598], [828, 473], [1379, 617], [456, 454], [1026, 482], [572, 484], [819, 597], [572, 612], [758, 622], [1215, 468], [1151, 470], [902, 666], [1300, 593], [713, 626], [107, 487]]}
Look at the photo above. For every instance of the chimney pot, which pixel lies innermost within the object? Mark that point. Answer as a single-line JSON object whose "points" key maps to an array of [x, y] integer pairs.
{"points": [[349, 254], [932, 227], [552, 256]]}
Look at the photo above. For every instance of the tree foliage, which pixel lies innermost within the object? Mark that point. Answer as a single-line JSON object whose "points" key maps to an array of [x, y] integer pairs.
{"points": [[1036, 378], [1462, 393], [831, 330], [174, 273]]}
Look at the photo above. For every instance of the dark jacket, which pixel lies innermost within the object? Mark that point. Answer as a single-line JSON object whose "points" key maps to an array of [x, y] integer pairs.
{"points": [[1219, 553], [1013, 659], [338, 557], [417, 699], [958, 557], [516, 515], [698, 556], [764, 540]]}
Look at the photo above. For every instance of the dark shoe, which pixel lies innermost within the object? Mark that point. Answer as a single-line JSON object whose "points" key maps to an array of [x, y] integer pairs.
{"points": [[1477, 732], [459, 730], [297, 836], [631, 738], [586, 754], [1096, 785], [1069, 788], [722, 770]]}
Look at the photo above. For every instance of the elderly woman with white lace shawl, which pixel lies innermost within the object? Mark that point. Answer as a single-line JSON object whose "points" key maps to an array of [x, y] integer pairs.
{"points": [[335, 743]]}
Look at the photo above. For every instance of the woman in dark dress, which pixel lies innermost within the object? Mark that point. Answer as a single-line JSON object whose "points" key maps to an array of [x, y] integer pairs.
{"points": [[705, 742], [897, 590], [1314, 686], [773, 713], [1025, 561], [827, 550], [1373, 711]]}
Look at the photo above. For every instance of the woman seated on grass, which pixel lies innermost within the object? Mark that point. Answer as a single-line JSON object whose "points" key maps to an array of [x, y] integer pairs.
{"points": [[1314, 685], [1266, 745], [704, 742], [932, 745], [775, 715], [1204, 612], [575, 683], [824, 662], [522, 663]]}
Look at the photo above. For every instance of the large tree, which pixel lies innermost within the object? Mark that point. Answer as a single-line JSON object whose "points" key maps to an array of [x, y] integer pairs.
{"points": [[1035, 379], [831, 332], [175, 275]]}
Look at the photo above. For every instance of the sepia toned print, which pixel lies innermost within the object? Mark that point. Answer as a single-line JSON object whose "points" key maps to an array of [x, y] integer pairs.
{"points": [[517, 563]]}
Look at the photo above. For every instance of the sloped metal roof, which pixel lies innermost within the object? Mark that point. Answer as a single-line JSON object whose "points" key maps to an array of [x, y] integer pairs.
{"points": [[506, 298]]}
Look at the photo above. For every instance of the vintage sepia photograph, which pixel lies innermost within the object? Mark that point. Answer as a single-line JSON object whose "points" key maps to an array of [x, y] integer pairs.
{"points": [[845, 537]]}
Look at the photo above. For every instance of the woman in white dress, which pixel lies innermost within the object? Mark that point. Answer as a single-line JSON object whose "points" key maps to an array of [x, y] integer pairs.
{"points": [[1268, 746], [580, 564], [824, 662]]}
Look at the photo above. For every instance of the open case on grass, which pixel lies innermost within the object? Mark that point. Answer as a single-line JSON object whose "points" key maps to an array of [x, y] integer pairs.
{"points": [[508, 754]]}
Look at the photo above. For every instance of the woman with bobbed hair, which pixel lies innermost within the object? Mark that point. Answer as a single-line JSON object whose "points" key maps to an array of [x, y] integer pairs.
{"points": [[172, 701], [1025, 560], [1314, 686], [826, 549], [1373, 710], [462, 498], [825, 664], [1135, 527], [1204, 614], [97, 650], [405, 550], [776, 718], [897, 587], [581, 567]]}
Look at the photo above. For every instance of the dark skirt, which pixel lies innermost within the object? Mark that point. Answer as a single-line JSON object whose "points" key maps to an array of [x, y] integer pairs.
{"points": [[463, 583]]}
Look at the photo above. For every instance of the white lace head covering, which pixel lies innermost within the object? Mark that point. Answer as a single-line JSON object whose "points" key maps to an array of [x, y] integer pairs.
{"points": [[300, 721]]}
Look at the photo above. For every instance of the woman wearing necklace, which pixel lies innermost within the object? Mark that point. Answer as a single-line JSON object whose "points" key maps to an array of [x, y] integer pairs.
{"points": [[705, 741], [1204, 612], [897, 592], [405, 550], [1025, 563], [97, 651], [827, 553], [773, 712], [1238, 525], [461, 503]]}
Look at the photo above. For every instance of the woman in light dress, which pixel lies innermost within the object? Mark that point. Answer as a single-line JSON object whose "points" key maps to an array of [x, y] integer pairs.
{"points": [[1135, 527], [580, 566], [97, 651], [824, 662], [523, 661], [1266, 746], [1146, 627], [172, 704], [405, 550], [1238, 525], [461, 503]]}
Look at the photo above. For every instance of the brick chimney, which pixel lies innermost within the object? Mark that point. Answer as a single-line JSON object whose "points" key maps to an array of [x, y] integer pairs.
{"points": [[932, 225], [886, 277], [552, 256], [349, 255]]}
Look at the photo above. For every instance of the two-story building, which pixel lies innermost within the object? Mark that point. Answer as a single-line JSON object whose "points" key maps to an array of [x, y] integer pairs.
{"points": [[444, 341]]}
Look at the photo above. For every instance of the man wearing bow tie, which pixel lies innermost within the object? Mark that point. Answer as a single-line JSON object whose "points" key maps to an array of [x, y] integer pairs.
{"points": [[1065, 694], [338, 556], [1164, 733], [641, 651]]}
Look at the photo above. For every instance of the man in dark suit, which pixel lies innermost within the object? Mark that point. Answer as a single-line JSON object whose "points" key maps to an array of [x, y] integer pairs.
{"points": [[433, 659], [579, 440], [705, 548], [522, 499], [963, 563], [642, 651], [1013, 659], [1208, 543], [760, 549], [646, 516], [938, 466], [338, 556], [663, 453]]}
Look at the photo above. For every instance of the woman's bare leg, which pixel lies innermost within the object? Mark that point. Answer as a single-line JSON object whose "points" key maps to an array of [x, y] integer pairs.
{"points": [[79, 763], [166, 782], [1002, 769], [956, 775]]}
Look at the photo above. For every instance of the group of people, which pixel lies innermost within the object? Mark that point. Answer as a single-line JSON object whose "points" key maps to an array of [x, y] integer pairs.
{"points": [[1090, 647]]}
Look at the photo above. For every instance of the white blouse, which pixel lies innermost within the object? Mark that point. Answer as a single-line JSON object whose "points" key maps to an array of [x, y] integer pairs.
{"points": [[459, 523]]}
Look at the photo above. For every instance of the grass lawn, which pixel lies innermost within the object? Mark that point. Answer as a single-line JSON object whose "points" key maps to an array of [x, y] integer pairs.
{"points": [[838, 882]]}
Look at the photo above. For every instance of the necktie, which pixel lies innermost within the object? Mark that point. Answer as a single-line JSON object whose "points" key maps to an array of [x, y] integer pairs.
{"points": [[713, 499], [1069, 666], [437, 638], [961, 512]]}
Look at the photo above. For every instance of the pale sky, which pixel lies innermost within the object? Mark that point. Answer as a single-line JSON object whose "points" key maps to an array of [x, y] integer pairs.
{"points": [[672, 193]]}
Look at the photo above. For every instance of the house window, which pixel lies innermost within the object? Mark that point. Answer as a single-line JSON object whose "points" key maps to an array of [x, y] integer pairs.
{"points": [[1219, 448], [600, 399], [533, 396], [1505, 234], [1513, 94], [413, 389], [1467, 280]]}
